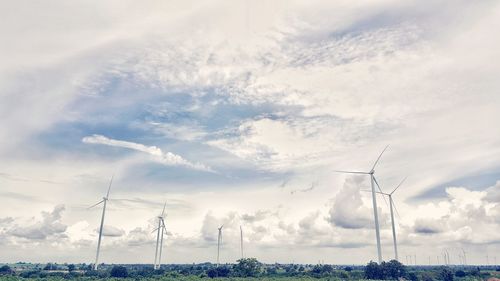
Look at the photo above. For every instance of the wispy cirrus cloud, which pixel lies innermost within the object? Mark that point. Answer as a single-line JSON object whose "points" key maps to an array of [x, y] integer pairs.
{"points": [[166, 158]]}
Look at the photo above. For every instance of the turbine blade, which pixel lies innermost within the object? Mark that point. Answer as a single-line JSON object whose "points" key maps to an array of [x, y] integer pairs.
{"points": [[399, 185], [95, 204], [375, 164], [378, 192], [163, 212], [376, 182], [378, 185], [154, 230], [109, 188], [396, 209], [351, 172]]}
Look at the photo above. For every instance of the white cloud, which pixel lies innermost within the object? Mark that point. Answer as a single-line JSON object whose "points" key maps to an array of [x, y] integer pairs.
{"points": [[348, 210], [49, 227], [167, 158], [111, 231]]}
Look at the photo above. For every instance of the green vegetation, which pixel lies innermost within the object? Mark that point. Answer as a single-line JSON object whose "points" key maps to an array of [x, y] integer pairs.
{"points": [[245, 269]]}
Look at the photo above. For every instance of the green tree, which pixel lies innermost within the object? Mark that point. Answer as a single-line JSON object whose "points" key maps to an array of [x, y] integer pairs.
{"points": [[393, 269], [5, 270], [71, 267], [445, 274], [412, 276], [426, 276], [49, 266], [249, 267], [322, 270], [119, 271], [460, 273], [373, 271], [221, 271]]}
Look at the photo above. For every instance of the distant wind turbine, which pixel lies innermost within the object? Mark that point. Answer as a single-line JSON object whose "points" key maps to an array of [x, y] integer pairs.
{"points": [[374, 200], [241, 242], [393, 206], [104, 201], [159, 238], [219, 242]]}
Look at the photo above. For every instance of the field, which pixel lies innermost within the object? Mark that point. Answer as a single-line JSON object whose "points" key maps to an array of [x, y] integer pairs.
{"points": [[248, 270]]}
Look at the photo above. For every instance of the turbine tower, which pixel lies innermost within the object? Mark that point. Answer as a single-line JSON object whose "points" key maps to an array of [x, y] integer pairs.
{"points": [[374, 200], [104, 201], [159, 238], [219, 242], [393, 207], [241, 242]]}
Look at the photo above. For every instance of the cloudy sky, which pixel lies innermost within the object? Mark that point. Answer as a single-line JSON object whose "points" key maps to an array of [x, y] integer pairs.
{"points": [[237, 113]]}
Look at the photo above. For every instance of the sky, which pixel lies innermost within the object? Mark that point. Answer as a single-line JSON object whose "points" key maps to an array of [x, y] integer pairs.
{"points": [[239, 113]]}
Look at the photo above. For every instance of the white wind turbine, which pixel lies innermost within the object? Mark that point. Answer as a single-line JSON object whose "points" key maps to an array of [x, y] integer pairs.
{"points": [[241, 242], [374, 200], [219, 242], [392, 207], [159, 238], [104, 201]]}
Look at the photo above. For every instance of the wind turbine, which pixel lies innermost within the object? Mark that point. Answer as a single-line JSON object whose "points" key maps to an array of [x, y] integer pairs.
{"points": [[374, 200], [219, 242], [393, 206], [159, 238], [104, 201], [241, 241]]}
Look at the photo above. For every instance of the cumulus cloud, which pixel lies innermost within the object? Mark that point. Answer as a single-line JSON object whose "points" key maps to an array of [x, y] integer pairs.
{"points": [[429, 226], [257, 216], [6, 220], [139, 236], [167, 158], [493, 193], [348, 210], [211, 223], [50, 226], [111, 231]]}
